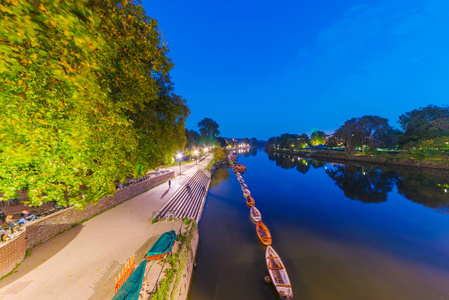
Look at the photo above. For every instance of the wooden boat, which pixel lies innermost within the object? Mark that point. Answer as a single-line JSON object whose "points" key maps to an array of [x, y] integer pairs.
{"points": [[255, 214], [130, 290], [162, 246], [263, 233], [278, 274], [250, 201]]}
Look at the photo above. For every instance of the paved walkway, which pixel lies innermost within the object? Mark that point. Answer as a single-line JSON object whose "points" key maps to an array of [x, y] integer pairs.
{"points": [[82, 262]]}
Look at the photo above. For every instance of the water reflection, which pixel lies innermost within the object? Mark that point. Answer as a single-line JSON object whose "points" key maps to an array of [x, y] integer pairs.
{"points": [[363, 184], [391, 250], [424, 187], [220, 175], [372, 184]]}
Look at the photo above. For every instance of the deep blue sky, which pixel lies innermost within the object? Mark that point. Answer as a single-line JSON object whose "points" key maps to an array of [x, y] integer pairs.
{"points": [[262, 68]]}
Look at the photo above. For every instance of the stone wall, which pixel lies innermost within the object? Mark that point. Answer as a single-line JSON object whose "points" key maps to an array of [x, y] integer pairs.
{"points": [[341, 157], [183, 287], [47, 227], [12, 252]]}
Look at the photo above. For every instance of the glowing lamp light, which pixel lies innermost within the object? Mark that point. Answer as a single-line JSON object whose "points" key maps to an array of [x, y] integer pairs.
{"points": [[196, 152], [179, 155]]}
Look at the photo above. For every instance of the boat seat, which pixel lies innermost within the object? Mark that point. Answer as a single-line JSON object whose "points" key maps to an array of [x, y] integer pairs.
{"points": [[263, 233], [274, 264]]}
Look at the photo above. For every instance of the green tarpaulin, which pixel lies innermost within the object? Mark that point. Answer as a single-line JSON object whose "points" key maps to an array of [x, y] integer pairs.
{"points": [[163, 244], [130, 290]]}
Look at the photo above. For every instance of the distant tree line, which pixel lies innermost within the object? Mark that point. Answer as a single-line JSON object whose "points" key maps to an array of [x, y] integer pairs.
{"points": [[208, 136], [422, 129]]}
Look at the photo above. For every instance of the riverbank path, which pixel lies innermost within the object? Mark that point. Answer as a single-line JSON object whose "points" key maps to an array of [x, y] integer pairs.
{"points": [[82, 262]]}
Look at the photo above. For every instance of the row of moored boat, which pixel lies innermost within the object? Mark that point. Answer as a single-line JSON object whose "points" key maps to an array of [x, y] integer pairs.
{"points": [[276, 267]]}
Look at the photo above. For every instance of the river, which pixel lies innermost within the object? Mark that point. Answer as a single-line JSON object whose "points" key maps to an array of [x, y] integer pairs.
{"points": [[344, 231]]}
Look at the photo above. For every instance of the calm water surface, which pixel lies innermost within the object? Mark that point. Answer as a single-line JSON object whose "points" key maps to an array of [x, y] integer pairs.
{"points": [[343, 231]]}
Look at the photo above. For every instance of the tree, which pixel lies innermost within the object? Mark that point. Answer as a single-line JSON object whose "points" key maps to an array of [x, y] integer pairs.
{"points": [[317, 138], [209, 130], [302, 141], [222, 142], [369, 131], [286, 140], [254, 142], [136, 74], [193, 139], [83, 106], [425, 123]]}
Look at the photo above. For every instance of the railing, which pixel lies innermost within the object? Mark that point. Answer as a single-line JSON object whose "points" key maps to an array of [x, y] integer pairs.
{"points": [[125, 273], [132, 181], [169, 214]]}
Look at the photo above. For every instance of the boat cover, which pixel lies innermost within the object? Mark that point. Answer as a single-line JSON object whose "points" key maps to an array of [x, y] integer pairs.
{"points": [[130, 290], [163, 243]]}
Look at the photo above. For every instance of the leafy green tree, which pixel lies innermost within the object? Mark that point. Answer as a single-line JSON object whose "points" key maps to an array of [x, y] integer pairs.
{"points": [[136, 74], [209, 130], [71, 126], [425, 123], [317, 138]]}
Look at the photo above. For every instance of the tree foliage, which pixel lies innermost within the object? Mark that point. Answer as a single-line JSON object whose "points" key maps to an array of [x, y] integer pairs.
{"points": [[302, 141], [317, 138], [87, 97], [209, 130], [371, 131], [426, 123], [193, 139]]}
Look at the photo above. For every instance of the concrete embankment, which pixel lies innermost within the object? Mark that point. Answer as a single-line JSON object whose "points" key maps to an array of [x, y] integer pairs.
{"points": [[187, 257], [186, 201], [342, 157]]}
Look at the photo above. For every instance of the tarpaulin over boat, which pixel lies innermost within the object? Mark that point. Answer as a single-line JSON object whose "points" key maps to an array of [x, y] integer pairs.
{"points": [[163, 244], [130, 290]]}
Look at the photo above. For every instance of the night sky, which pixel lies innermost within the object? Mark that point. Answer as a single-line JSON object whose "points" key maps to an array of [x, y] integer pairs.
{"points": [[263, 68]]}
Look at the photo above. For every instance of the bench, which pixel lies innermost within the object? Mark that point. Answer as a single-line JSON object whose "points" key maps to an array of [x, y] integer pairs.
{"points": [[12, 223]]}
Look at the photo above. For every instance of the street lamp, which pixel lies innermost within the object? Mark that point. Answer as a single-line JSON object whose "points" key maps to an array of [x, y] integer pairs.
{"points": [[196, 156], [179, 157]]}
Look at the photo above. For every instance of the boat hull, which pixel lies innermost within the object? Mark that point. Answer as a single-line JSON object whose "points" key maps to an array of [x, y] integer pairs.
{"points": [[162, 246], [263, 233], [250, 201], [255, 214], [278, 274]]}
